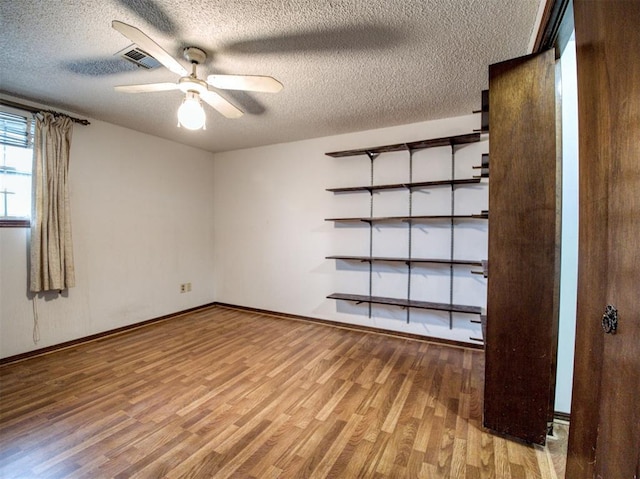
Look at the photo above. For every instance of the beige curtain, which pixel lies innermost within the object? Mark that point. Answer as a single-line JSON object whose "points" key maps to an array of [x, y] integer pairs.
{"points": [[51, 252]]}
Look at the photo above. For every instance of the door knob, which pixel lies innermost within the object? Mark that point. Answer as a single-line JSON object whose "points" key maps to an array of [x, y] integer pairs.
{"points": [[610, 319]]}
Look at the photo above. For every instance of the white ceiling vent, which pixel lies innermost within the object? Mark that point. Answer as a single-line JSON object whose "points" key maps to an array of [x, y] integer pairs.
{"points": [[138, 57]]}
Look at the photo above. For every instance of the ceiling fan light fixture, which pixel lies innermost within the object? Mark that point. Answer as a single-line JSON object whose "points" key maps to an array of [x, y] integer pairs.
{"points": [[191, 114]]}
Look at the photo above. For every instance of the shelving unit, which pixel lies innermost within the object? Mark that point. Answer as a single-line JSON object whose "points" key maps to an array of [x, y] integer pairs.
{"points": [[483, 322], [399, 186], [411, 146], [380, 219], [467, 262], [408, 303]]}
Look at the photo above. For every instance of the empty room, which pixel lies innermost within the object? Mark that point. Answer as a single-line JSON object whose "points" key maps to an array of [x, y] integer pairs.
{"points": [[309, 239]]}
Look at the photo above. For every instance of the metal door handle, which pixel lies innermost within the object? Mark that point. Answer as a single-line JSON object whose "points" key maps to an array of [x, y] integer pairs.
{"points": [[610, 319]]}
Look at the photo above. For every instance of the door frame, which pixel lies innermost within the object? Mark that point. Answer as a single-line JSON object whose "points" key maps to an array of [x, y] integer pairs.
{"points": [[583, 459]]}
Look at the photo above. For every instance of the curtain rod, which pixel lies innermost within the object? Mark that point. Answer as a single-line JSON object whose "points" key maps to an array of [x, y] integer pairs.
{"points": [[32, 109]]}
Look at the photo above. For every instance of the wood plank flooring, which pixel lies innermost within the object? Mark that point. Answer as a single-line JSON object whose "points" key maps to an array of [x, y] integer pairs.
{"points": [[226, 393]]}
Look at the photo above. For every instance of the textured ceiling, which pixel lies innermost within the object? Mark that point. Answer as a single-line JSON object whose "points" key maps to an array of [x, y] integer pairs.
{"points": [[346, 65]]}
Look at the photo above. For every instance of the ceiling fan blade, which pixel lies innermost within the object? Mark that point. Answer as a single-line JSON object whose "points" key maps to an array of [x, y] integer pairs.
{"points": [[149, 87], [220, 104], [245, 82], [149, 46]]}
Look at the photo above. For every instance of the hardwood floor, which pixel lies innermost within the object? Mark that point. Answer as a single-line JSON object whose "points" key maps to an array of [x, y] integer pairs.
{"points": [[224, 393], [557, 447]]}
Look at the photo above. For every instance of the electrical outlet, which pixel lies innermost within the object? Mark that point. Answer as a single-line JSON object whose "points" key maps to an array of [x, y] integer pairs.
{"points": [[188, 287], [183, 288]]}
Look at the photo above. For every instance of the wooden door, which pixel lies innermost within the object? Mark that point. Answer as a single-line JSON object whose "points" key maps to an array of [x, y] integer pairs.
{"points": [[604, 437], [522, 300]]}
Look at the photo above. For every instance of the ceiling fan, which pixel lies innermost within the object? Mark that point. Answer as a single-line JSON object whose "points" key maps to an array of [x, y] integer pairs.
{"points": [[191, 114]]}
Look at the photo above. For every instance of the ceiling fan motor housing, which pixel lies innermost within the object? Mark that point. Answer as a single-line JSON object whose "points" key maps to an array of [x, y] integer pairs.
{"points": [[194, 55]]}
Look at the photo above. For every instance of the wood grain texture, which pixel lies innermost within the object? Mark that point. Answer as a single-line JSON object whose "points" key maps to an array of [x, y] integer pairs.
{"points": [[604, 440], [225, 393], [522, 317]]}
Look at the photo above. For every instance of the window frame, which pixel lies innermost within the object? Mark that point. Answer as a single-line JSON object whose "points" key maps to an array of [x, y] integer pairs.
{"points": [[17, 222]]}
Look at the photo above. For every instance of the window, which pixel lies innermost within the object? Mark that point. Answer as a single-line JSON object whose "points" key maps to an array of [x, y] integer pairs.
{"points": [[16, 158]]}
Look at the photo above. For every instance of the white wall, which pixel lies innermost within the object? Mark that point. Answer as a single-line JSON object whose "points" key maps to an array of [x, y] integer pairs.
{"points": [[142, 220], [271, 238], [143, 214]]}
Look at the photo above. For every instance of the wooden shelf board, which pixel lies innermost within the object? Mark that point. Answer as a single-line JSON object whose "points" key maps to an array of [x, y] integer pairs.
{"points": [[411, 303], [378, 219], [468, 262], [413, 145], [397, 186]]}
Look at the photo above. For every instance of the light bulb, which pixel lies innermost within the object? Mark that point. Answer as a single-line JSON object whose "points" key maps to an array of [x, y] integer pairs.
{"points": [[191, 114]]}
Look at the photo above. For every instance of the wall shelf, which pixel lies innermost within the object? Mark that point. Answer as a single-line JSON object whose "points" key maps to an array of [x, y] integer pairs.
{"points": [[410, 146], [366, 259], [381, 219], [399, 186], [407, 303]]}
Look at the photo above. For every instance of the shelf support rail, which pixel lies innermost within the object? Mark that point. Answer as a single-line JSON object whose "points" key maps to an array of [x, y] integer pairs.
{"points": [[372, 156], [410, 232], [452, 238]]}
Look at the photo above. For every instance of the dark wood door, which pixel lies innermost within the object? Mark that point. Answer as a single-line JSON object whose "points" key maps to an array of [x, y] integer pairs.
{"points": [[604, 439], [522, 319]]}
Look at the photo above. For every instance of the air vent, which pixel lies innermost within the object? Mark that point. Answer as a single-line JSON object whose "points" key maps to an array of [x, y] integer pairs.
{"points": [[139, 57]]}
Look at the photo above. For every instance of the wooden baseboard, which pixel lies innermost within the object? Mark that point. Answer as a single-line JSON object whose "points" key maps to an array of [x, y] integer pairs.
{"points": [[562, 416], [94, 337], [352, 327]]}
